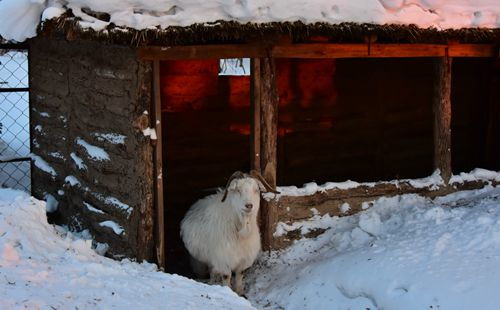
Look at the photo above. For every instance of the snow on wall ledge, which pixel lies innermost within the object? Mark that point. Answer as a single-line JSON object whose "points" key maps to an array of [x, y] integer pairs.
{"points": [[433, 182], [143, 14]]}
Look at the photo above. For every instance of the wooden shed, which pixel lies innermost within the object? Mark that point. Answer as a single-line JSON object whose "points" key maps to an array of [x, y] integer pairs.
{"points": [[321, 103]]}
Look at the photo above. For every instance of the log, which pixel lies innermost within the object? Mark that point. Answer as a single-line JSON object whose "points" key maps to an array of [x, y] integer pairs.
{"points": [[266, 97], [442, 118], [158, 167], [255, 89], [315, 50]]}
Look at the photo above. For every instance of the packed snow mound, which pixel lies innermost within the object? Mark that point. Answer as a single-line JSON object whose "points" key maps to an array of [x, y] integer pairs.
{"points": [[45, 267], [405, 252], [144, 14]]}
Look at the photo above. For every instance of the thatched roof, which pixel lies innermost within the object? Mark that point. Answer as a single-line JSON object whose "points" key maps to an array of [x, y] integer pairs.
{"points": [[230, 31]]}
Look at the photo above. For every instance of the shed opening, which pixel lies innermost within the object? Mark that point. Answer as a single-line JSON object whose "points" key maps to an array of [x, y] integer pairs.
{"points": [[206, 134], [359, 119], [475, 122], [339, 119]]}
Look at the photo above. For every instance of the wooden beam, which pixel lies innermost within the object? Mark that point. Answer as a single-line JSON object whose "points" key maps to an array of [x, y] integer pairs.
{"points": [[200, 52], [472, 50], [158, 167], [442, 118], [406, 50], [317, 50], [255, 89], [320, 50], [268, 99]]}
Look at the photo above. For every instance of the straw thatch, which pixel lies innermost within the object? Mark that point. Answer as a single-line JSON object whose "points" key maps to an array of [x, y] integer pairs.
{"points": [[234, 32]]}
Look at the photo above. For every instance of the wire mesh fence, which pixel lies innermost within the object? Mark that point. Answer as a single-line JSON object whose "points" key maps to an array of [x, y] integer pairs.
{"points": [[14, 119]]}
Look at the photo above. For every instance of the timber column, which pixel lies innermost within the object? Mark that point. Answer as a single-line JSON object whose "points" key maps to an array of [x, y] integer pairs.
{"points": [[442, 117], [265, 136]]}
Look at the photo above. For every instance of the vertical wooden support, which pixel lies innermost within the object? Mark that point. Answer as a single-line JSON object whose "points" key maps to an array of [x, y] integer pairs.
{"points": [[255, 90], [265, 129], [442, 118], [158, 167]]}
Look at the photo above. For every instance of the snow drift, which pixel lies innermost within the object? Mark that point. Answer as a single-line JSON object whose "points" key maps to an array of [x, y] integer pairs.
{"points": [[46, 267], [405, 252]]}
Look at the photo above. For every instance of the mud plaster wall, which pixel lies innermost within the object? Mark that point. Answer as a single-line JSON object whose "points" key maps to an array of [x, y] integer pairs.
{"points": [[87, 102]]}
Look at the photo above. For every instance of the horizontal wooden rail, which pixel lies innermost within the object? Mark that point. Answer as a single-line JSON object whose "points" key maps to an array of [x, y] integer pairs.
{"points": [[317, 50], [13, 160], [13, 90]]}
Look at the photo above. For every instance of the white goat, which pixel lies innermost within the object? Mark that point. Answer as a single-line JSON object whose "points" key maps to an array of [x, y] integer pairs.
{"points": [[221, 230]]}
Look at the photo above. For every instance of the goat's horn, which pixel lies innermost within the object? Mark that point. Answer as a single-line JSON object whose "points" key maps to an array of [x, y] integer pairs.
{"points": [[258, 176], [236, 175]]}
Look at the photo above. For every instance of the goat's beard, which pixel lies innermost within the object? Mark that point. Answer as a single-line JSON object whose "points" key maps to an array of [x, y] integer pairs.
{"points": [[244, 224]]}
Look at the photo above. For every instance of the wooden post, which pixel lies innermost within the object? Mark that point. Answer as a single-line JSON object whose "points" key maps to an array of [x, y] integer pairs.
{"points": [[265, 132], [255, 90], [442, 118], [158, 167]]}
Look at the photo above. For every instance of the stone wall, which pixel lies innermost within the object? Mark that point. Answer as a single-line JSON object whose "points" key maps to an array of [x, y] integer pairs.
{"points": [[87, 111]]}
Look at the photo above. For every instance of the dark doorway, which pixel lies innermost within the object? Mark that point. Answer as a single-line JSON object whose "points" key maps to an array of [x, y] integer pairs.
{"points": [[206, 137], [475, 122]]}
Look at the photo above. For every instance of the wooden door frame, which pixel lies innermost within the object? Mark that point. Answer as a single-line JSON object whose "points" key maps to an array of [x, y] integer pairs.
{"points": [[264, 101]]}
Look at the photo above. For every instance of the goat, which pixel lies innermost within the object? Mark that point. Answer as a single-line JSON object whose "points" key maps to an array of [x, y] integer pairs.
{"points": [[221, 231]]}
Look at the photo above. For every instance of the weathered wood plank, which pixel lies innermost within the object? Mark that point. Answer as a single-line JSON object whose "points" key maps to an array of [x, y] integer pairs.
{"points": [[442, 118], [200, 52], [406, 50], [158, 160], [316, 50], [320, 50], [472, 50]]}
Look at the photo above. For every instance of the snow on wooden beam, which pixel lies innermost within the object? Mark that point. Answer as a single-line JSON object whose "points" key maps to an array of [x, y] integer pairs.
{"points": [[345, 202], [317, 50]]}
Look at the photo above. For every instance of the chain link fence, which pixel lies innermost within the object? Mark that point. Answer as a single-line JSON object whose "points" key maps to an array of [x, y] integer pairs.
{"points": [[15, 165]]}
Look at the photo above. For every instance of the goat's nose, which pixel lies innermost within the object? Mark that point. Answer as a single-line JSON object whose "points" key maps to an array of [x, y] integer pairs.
{"points": [[249, 206]]}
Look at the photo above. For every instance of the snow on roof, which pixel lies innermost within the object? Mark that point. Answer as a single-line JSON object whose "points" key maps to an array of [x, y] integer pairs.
{"points": [[21, 17]]}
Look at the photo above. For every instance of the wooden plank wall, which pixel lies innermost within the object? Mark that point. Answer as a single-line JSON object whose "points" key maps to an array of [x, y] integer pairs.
{"points": [[362, 119]]}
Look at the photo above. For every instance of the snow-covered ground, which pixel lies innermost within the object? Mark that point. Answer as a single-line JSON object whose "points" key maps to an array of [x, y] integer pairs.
{"points": [[45, 267], [405, 252]]}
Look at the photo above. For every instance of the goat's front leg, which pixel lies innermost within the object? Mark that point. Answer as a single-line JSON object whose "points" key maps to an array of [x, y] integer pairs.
{"points": [[226, 279], [238, 283], [220, 278]]}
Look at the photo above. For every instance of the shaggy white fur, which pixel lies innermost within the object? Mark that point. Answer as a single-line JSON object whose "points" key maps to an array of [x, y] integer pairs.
{"points": [[225, 235]]}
